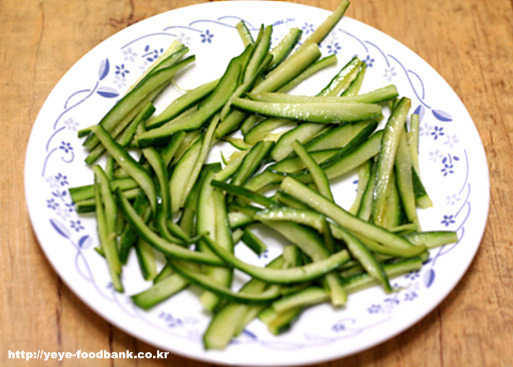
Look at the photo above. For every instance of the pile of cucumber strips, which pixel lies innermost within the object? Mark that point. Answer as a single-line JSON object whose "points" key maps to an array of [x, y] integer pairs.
{"points": [[156, 192]]}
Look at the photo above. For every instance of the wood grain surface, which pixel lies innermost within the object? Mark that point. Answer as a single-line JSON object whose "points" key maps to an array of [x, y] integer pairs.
{"points": [[469, 42]]}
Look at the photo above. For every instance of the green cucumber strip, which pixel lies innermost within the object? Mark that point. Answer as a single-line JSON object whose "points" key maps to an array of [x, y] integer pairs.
{"points": [[341, 216], [312, 244], [422, 198], [181, 187], [295, 164], [129, 164], [343, 79], [282, 276], [261, 130], [285, 46], [208, 108], [252, 161], [169, 151], [129, 236], [239, 219], [160, 291], [194, 276], [146, 259], [318, 175], [365, 209], [172, 55], [182, 103], [356, 84], [394, 214], [136, 96], [245, 193], [105, 209], [223, 236], [126, 136], [289, 68], [413, 139], [318, 112], [308, 72], [80, 193], [386, 159], [403, 174], [363, 281], [364, 175], [327, 25], [305, 297], [282, 74], [233, 317], [254, 243], [375, 96], [89, 205], [259, 54], [302, 133], [316, 220], [164, 273], [279, 323], [432, 239], [232, 166], [244, 33], [167, 248], [237, 143]]}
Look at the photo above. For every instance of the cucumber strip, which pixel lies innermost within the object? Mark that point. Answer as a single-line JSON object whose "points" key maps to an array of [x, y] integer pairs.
{"points": [[237, 143], [375, 96], [232, 318], [285, 46], [164, 273], [362, 281], [223, 236], [160, 291], [252, 161], [232, 167], [194, 276], [295, 164], [190, 168], [245, 194], [356, 84], [413, 139], [422, 198], [327, 25], [341, 216], [316, 220], [129, 164], [282, 74], [318, 112], [105, 213], [80, 193], [394, 214], [282, 276], [146, 259], [254, 243], [403, 173], [261, 130], [244, 33], [308, 72], [432, 239], [279, 323], [136, 96], [126, 136], [311, 243], [89, 205], [386, 159], [182, 103], [129, 236], [343, 79], [302, 133], [364, 175], [167, 248], [365, 210], [259, 54], [289, 68], [239, 219], [305, 297], [318, 175], [208, 108]]}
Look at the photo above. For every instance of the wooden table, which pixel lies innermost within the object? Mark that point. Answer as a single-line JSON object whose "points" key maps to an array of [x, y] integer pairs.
{"points": [[470, 42]]}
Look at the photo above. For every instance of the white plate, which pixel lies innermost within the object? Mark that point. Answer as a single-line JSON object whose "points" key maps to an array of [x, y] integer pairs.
{"points": [[451, 156]]}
